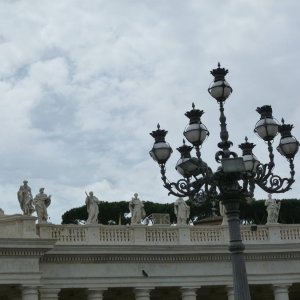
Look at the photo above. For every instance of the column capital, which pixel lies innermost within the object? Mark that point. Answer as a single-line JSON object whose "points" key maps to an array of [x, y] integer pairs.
{"points": [[281, 285], [189, 293], [95, 293], [281, 291], [142, 293], [49, 293], [230, 292]]}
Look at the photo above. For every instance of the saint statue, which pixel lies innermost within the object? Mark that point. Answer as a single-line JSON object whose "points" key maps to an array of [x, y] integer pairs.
{"points": [[182, 211], [223, 213], [273, 208], [25, 199], [41, 202], [136, 208], [92, 207]]}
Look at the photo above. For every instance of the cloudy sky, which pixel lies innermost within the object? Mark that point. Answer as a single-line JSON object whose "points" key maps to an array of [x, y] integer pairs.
{"points": [[82, 83]]}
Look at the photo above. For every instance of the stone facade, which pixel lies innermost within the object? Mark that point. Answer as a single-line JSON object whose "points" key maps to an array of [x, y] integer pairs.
{"points": [[62, 262]]}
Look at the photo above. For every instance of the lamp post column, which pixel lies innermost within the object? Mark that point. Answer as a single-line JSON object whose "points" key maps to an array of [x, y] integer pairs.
{"points": [[236, 247]]}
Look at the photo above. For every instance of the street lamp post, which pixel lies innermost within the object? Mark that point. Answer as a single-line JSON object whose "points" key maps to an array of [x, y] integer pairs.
{"points": [[235, 179]]}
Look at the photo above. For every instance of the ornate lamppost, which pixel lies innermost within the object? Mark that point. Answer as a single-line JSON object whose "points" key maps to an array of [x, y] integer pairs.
{"points": [[236, 177]]}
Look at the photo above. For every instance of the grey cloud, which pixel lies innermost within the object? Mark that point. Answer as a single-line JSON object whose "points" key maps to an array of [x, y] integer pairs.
{"points": [[83, 84]]}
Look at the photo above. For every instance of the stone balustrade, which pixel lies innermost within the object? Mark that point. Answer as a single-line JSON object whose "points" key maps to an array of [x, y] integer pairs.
{"points": [[165, 235]]}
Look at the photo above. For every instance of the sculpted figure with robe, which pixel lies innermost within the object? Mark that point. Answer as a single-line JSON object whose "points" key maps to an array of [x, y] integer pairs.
{"points": [[136, 208], [182, 211], [92, 207], [41, 202], [273, 208], [25, 199]]}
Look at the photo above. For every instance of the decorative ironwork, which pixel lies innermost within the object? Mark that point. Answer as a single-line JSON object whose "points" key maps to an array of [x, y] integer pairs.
{"points": [[203, 182], [200, 183]]}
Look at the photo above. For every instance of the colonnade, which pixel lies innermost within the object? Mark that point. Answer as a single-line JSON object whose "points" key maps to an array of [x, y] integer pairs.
{"points": [[280, 292]]}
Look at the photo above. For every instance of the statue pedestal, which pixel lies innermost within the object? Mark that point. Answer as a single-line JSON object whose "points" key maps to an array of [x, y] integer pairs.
{"points": [[17, 226]]}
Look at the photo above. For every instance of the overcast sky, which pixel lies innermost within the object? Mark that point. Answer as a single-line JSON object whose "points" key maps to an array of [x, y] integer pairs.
{"points": [[82, 83]]}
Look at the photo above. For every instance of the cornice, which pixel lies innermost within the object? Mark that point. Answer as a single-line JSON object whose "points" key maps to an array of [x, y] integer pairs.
{"points": [[163, 258], [31, 252], [25, 247], [27, 242], [150, 258]]}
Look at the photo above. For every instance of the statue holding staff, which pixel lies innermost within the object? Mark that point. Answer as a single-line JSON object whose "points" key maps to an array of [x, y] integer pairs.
{"points": [[92, 207]]}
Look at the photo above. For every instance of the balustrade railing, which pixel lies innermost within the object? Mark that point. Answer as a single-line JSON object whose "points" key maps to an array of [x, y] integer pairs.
{"points": [[205, 234], [161, 235], [166, 235]]}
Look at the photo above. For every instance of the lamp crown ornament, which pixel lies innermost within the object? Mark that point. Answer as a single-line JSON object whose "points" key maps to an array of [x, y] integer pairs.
{"points": [[247, 147], [265, 111], [185, 150], [285, 129], [220, 88], [159, 134], [219, 73], [194, 115]]}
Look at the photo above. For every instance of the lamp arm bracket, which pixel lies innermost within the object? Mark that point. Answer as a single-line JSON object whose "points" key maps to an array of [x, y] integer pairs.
{"points": [[273, 183], [264, 171], [183, 187]]}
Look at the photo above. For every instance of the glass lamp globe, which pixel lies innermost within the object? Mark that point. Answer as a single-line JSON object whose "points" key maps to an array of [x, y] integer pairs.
{"points": [[251, 162], [288, 146], [266, 128], [188, 166], [196, 133], [220, 90], [161, 152]]}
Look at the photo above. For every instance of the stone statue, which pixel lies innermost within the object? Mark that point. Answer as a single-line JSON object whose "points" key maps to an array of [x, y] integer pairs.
{"points": [[41, 202], [182, 211], [273, 208], [25, 199], [92, 207], [223, 213], [136, 208]]}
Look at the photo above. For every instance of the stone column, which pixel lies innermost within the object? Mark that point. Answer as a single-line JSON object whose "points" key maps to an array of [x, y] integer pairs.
{"points": [[29, 293], [230, 292], [188, 293], [281, 291], [142, 293], [49, 294], [95, 294]]}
